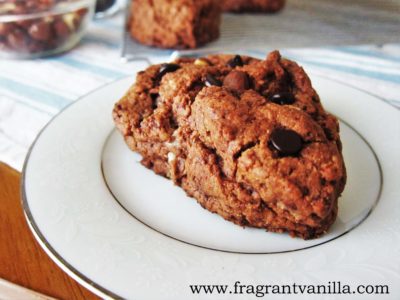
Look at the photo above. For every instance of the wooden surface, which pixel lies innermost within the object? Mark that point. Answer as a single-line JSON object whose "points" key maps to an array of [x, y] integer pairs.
{"points": [[22, 261]]}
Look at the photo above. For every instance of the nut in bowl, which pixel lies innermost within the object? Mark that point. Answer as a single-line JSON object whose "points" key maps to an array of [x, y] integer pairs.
{"points": [[37, 28]]}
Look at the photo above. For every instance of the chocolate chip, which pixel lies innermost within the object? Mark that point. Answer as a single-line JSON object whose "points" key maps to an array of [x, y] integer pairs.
{"points": [[244, 221], [328, 133], [211, 80], [305, 191], [237, 81], [155, 99], [282, 98], [167, 68], [262, 206], [173, 122], [286, 141], [235, 62], [196, 87]]}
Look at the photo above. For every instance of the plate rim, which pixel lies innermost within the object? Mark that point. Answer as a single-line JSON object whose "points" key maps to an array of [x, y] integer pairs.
{"points": [[97, 288], [37, 233]]}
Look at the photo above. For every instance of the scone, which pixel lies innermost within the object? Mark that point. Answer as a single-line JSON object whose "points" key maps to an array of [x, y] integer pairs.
{"points": [[266, 6], [175, 24], [247, 138]]}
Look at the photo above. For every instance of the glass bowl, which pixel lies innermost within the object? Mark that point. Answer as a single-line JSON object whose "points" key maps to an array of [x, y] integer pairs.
{"points": [[37, 28]]}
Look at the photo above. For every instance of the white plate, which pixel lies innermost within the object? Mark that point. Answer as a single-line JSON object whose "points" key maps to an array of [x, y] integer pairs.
{"points": [[124, 232]]}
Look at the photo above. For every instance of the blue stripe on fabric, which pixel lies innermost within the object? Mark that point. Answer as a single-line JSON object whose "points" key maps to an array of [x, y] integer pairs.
{"points": [[84, 66], [343, 50], [39, 110], [370, 53], [97, 40], [345, 59], [107, 24], [34, 93], [355, 71]]}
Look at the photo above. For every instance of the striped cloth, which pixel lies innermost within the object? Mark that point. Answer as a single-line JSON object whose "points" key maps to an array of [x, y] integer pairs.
{"points": [[32, 92]]}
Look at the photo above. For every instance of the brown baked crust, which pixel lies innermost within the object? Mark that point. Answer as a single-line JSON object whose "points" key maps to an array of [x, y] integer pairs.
{"points": [[175, 24], [262, 6], [215, 141]]}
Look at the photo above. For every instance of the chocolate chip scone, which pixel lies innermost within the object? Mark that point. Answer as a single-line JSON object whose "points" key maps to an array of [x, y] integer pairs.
{"points": [[248, 138], [175, 24], [239, 6]]}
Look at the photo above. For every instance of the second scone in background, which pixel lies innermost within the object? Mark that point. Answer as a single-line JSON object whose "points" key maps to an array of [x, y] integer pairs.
{"points": [[187, 23]]}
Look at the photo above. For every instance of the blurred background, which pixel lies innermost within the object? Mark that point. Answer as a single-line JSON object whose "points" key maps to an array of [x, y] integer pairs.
{"points": [[305, 23]]}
